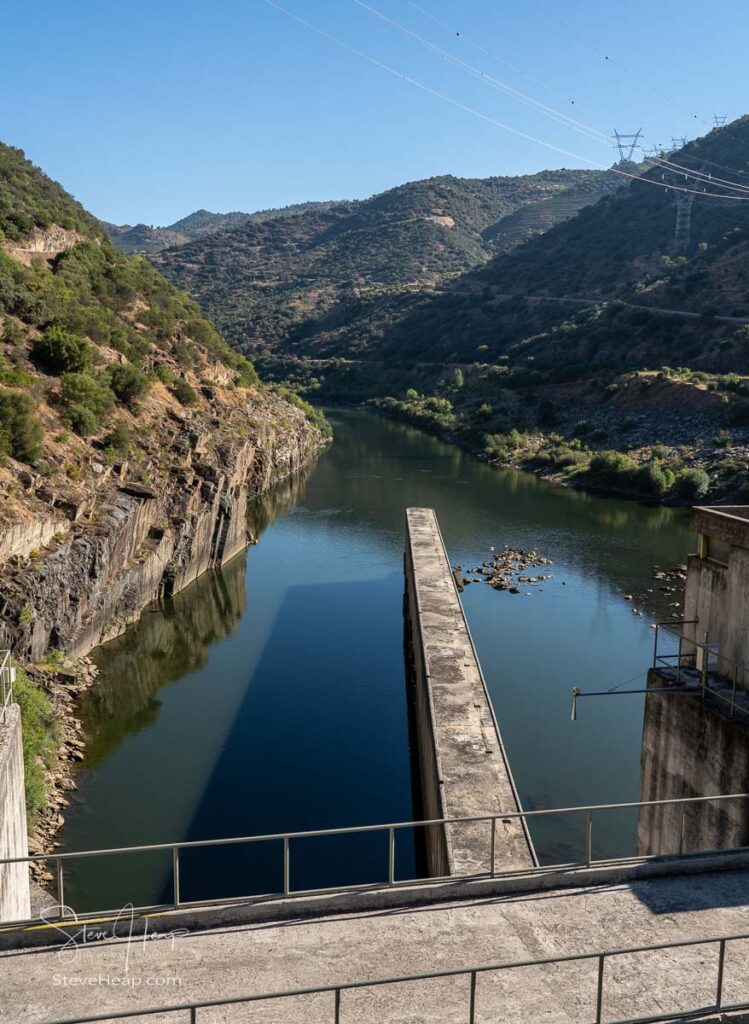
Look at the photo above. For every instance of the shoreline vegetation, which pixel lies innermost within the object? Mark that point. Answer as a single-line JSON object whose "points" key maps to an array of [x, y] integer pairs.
{"points": [[604, 452]]}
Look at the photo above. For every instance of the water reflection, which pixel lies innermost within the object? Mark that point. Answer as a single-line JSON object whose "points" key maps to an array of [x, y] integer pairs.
{"points": [[272, 696]]}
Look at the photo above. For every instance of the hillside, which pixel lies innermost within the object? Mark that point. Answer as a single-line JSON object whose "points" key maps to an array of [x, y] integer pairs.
{"points": [[145, 239], [121, 408], [325, 281], [131, 441]]}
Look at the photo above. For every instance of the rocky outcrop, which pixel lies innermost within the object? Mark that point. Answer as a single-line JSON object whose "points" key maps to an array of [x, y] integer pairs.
{"points": [[126, 543]]}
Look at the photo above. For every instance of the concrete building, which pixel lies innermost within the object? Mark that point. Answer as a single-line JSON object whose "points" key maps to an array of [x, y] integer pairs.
{"points": [[716, 603]]}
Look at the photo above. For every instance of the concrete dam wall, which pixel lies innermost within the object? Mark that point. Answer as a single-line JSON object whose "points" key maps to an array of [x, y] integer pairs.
{"points": [[691, 747], [14, 878], [462, 762]]}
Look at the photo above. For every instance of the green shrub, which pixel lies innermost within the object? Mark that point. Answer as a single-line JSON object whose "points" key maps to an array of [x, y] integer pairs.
{"points": [[612, 469], [691, 484], [581, 428], [653, 480], [119, 439], [82, 420], [40, 740], [162, 372], [60, 351], [20, 431], [128, 384], [184, 393], [484, 411], [84, 390]]}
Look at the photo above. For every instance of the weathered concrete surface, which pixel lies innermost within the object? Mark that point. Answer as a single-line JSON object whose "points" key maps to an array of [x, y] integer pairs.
{"points": [[15, 902], [474, 777], [717, 590], [50, 983], [690, 748]]}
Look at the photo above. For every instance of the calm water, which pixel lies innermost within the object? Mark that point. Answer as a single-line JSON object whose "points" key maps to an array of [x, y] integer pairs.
{"points": [[271, 696]]}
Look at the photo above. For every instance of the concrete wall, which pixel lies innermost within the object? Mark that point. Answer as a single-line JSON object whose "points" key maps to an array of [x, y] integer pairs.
{"points": [[464, 770], [14, 878], [691, 748], [717, 591]]}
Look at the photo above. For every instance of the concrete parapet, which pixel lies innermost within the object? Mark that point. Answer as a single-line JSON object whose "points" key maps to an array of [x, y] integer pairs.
{"points": [[14, 878], [463, 766]]}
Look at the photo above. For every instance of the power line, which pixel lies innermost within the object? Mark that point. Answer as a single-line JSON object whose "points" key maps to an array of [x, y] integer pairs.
{"points": [[557, 116], [477, 113], [621, 67], [717, 120], [489, 53]]}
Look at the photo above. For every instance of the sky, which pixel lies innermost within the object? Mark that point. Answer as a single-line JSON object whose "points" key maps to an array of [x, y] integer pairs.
{"points": [[146, 111]]}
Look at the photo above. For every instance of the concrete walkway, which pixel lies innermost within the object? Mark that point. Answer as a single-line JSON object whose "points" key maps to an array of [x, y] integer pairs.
{"points": [[47, 983]]}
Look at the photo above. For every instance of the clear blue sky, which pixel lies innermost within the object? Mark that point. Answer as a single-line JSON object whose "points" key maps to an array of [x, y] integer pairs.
{"points": [[149, 110]]}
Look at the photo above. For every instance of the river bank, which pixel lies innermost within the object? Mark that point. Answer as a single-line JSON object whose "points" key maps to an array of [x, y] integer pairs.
{"points": [[270, 695], [107, 569], [652, 472]]}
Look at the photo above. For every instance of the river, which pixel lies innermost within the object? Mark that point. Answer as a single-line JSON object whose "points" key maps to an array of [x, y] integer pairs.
{"points": [[271, 696]]}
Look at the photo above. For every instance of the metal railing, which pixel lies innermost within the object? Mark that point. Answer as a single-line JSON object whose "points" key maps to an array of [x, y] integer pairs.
{"points": [[681, 661], [472, 996], [7, 678], [59, 860]]}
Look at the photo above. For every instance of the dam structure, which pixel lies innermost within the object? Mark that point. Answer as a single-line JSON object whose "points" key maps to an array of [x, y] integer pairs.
{"points": [[489, 935], [463, 766]]}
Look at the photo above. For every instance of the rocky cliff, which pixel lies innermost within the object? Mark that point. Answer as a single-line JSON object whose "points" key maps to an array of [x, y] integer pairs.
{"points": [[80, 563]]}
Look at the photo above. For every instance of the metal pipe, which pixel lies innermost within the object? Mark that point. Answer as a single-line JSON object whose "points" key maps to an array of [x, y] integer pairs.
{"points": [[60, 889], [429, 976], [361, 829], [599, 989], [337, 1006], [589, 840], [494, 848], [655, 645], [681, 831], [721, 966], [472, 1005], [391, 858], [175, 874], [286, 866]]}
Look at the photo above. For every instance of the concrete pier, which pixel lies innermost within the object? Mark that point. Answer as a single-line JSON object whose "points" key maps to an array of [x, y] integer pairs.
{"points": [[463, 765], [14, 878]]}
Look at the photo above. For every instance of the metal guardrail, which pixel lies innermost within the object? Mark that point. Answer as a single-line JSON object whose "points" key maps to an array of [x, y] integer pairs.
{"points": [[7, 679], [472, 995], [681, 660], [286, 838]]}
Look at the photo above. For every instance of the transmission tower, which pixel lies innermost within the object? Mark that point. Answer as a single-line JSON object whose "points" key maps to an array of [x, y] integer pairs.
{"points": [[684, 201], [719, 120], [678, 142], [623, 143]]}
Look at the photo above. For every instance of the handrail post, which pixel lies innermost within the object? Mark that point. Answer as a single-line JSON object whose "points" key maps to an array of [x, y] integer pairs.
{"points": [[175, 874], [705, 661], [337, 1006], [193, 1014], [733, 691], [472, 1004], [60, 889], [286, 867], [391, 857], [678, 659], [599, 989], [494, 846], [721, 966], [589, 840], [655, 646], [681, 829]]}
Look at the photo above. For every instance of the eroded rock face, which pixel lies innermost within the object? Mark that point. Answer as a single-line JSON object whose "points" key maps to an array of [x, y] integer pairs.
{"points": [[126, 543]]}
